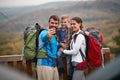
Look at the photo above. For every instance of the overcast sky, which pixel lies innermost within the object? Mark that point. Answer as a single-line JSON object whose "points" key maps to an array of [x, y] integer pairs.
{"points": [[12, 3]]}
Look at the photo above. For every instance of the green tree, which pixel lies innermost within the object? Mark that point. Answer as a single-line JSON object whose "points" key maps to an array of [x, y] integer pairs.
{"points": [[116, 39]]}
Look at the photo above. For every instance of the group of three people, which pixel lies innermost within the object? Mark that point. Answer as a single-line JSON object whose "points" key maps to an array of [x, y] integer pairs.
{"points": [[55, 46]]}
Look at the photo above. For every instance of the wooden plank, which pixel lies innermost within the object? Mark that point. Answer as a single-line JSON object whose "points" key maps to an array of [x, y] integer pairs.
{"points": [[7, 58]]}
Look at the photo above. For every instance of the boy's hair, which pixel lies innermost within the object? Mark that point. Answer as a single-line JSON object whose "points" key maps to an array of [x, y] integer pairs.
{"points": [[65, 17]]}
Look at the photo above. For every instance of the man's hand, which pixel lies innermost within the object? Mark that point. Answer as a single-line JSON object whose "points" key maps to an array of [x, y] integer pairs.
{"points": [[51, 32]]}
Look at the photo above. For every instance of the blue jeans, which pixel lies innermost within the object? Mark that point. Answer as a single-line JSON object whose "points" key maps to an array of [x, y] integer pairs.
{"points": [[60, 63], [70, 67], [69, 63]]}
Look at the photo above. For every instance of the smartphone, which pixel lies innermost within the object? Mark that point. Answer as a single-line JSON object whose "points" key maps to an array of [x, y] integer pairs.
{"points": [[54, 28]]}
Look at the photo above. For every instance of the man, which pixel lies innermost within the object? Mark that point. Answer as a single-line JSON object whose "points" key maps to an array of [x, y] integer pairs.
{"points": [[46, 67]]}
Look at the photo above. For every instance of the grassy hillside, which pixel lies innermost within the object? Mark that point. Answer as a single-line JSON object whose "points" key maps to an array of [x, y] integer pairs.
{"points": [[104, 15], [12, 43]]}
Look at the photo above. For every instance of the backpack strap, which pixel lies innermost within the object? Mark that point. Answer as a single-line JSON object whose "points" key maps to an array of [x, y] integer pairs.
{"points": [[84, 57], [37, 26]]}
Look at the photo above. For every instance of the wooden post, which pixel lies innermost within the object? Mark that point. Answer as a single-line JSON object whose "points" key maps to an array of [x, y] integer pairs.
{"points": [[19, 65], [106, 58], [18, 59], [65, 67], [106, 54], [29, 68], [10, 63]]}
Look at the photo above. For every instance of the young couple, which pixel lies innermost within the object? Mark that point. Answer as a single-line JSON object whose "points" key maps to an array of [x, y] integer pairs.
{"points": [[47, 67]]}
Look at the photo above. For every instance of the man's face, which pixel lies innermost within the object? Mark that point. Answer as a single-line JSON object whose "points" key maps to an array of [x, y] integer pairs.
{"points": [[53, 23]]}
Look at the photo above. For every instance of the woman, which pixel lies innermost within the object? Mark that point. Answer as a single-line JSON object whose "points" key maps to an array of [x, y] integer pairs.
{"points": [[77, 43]]}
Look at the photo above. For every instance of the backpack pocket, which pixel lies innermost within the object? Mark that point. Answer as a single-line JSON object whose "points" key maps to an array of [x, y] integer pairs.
{"points": [[42, 54], [81, 66]]}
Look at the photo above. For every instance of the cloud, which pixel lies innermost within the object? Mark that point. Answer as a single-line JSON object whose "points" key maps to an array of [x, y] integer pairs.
{"points": [[13, 3]]}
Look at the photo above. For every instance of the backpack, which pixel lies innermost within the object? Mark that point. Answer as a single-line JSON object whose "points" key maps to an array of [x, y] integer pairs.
{"points": [[93, 48], [31, 42]]}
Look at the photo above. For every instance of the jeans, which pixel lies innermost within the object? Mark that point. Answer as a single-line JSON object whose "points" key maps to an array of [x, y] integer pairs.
{"points": [[69, 63], [70, 67], [59, 54]]}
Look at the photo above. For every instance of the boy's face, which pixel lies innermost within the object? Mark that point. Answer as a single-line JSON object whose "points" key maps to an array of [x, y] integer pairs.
{"points": [[64, 23]]}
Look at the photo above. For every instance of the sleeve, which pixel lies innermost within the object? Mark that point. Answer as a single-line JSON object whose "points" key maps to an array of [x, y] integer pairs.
{"points": [[52, 50], [77, 45], [43, 36], [58, 35], [54, 47]]}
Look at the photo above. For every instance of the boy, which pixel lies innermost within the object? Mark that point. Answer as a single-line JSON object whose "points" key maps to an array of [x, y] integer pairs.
{"points": [[63, 35]]}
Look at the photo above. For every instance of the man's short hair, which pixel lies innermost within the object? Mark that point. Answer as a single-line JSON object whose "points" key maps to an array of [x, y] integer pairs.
{"points": [[54, 17]]}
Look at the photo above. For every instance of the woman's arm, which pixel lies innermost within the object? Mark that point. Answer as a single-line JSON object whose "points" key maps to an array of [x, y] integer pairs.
{"points": [[75, 50]]}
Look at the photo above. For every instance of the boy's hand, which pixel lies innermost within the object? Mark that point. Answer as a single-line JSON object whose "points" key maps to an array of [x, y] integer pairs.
{"points": [[64, 45], [61, 49]]}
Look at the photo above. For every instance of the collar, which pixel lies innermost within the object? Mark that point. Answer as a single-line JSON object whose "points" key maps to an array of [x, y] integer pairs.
{"points": [[77, 33]]}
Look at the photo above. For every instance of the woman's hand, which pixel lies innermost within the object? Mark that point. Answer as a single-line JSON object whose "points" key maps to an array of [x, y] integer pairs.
{"points": [[87, 33]]}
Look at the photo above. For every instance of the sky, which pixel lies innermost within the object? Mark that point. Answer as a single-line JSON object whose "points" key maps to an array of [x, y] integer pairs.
{"points": [[14, 3]]}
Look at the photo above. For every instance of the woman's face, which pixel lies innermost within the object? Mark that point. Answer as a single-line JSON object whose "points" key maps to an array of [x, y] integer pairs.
{"points": [[75, 26]]}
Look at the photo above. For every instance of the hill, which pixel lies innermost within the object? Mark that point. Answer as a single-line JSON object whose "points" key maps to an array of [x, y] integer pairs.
{"points": [[18, 18], [103, 14]]}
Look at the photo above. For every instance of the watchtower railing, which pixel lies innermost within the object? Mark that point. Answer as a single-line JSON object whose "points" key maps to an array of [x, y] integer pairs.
{"points": [[20, 64]]}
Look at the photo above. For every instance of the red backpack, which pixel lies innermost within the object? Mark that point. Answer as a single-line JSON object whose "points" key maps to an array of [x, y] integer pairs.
{"points": [[94, 52], [93, 48]]}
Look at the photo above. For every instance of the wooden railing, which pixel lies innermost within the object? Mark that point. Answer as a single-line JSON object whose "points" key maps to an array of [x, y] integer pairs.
{"points": [[17, 61], [20, 64]]}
